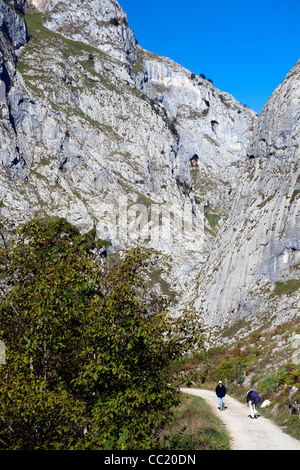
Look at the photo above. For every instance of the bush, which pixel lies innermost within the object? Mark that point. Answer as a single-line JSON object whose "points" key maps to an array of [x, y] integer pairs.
{"points": [[226, 370], [87, 347]]}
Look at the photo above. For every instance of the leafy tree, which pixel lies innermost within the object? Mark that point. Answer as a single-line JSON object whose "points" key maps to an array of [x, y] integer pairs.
{"points": [[87, 346]]}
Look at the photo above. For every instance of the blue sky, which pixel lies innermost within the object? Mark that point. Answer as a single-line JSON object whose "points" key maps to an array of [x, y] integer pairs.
{"points": [[246, 47]]}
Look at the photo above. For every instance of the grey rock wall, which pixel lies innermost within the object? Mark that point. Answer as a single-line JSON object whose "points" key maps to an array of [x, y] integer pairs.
{"points": [[259, 245], [96, 129], [99, 23], [277, 131]]}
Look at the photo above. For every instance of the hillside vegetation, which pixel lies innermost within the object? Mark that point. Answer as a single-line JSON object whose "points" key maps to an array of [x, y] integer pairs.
{"points": [[268, 360], [194, 427], [87, 348]]}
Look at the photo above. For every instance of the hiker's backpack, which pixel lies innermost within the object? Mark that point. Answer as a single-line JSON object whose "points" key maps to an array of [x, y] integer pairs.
{"points": [[255, 397]]}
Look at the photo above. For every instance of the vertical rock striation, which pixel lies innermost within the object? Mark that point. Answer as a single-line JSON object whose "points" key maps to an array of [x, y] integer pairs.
{"points": [[98, 130], [253, 271], [13, 35]]}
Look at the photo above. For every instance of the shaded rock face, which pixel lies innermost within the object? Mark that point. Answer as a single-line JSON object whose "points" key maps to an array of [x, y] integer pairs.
{"points": [[96, 129], [12, 24], [13, 35]]}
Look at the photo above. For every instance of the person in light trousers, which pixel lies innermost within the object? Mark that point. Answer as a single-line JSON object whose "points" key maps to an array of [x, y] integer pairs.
{"points": [[251, 404], [221, 392]]}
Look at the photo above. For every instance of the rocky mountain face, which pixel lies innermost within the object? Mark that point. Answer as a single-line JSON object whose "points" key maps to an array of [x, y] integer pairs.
{"points": [[98, 23], [253, 271], [98, 130]]}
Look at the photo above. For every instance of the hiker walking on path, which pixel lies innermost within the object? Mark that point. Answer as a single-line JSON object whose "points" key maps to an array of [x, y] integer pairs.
{"points": [[221, 392], [267, 435], [252, 400]]}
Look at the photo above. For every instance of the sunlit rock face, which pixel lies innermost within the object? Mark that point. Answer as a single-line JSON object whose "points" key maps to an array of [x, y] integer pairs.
{"points": [[277, 132], [99, 23], [253, 271], [98, 130], [209, 123], [86, 139]]}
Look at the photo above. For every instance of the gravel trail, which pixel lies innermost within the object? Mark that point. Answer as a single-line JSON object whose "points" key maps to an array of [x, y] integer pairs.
{"points": [[246, 433]]}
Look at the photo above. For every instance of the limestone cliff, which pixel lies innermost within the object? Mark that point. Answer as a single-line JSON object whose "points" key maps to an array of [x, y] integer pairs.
{"points": [[253, 270], [98, 130], [13, 35], [277, 131], [94, 131], [100, 23]]}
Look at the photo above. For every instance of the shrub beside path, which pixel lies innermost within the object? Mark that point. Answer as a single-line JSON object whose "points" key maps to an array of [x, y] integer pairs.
{"points": [[246, 433]]}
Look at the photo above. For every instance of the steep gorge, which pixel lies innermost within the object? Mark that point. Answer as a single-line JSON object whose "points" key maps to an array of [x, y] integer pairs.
{"points": [[98, 130]]}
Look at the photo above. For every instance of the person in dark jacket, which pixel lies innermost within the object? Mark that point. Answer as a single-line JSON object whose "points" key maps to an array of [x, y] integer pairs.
{"points": [[251, 404], [221, 392]]}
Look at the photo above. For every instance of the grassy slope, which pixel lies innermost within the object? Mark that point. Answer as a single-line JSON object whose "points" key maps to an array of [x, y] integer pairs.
{"points": [[195, 427], [266, 363]]}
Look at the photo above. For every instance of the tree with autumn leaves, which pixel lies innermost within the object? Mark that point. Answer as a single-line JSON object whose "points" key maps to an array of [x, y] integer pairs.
{"points": [[87, 343]]}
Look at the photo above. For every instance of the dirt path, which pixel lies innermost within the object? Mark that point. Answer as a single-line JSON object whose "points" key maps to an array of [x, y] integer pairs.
{"points": [[246, 433]]}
